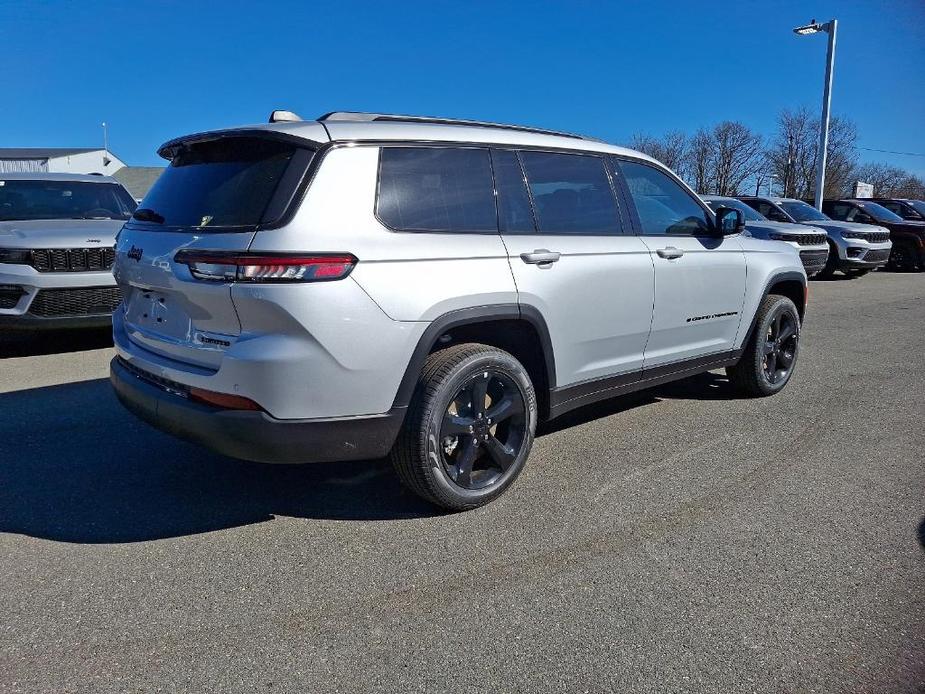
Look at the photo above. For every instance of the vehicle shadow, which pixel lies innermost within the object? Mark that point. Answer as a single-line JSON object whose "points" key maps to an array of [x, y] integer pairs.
{"points": [[705, 386], [838, 277], [31, 344], [76, 467], [922, 534]]}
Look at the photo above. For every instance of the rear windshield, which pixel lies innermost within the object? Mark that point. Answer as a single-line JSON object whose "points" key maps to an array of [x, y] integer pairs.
{"points": [[222, 183], [35, 199]]}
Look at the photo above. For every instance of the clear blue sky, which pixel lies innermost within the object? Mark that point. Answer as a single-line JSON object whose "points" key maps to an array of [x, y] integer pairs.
{"points": [[157, 70]]}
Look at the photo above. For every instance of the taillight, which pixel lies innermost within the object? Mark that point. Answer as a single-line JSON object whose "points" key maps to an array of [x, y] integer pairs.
{"points": [[234, 266]]}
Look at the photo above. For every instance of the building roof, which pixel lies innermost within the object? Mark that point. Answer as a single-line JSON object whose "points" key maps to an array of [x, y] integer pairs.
{"points": [[46, 176], [43, 152], [138, 179]]}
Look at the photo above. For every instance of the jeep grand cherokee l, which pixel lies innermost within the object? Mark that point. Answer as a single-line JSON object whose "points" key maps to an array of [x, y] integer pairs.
{"points": [[57, 238], [854, 249], [810, 242], [366, 285]]}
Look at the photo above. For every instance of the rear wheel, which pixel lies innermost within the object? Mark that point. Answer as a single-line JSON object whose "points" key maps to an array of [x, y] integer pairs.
{"points": [[469, 429], [771, 353]]}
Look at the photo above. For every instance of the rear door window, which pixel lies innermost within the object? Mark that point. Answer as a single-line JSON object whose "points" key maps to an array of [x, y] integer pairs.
{"points": [[571, 193], [226, 183], [515, 215], [440, 189]]}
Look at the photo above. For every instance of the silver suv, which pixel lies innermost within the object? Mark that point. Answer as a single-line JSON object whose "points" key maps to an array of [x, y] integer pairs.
{"points": [[811, 243], [57, 238], [854, 248], [366, 285]]}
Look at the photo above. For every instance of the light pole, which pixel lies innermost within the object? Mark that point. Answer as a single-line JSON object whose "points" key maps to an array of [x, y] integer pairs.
{"points": [[829, 28]]}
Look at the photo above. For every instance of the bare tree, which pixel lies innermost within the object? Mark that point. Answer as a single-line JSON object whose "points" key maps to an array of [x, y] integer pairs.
{"points": [[890, 181], [792, 156], [736, 155], [697, 161], [842, 157], [670, 149]]}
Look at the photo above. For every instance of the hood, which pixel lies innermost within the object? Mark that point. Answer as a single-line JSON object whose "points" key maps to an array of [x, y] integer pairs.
{"points": [[59, 233], [909, 226], [835, 224], [784, 227]]}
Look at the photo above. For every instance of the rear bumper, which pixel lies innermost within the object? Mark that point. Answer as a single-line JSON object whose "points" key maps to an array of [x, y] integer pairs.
{"points": [[255, 435]]}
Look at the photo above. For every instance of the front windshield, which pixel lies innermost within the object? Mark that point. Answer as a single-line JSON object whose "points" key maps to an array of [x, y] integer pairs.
{"points": [[747, 212], [802, 212], [23, 199], [879, 212], [918, 205]]}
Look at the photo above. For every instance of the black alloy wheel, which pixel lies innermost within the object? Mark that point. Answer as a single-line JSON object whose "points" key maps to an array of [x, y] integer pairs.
{"points": [[483, 429], [780, 347], [902, 257]]}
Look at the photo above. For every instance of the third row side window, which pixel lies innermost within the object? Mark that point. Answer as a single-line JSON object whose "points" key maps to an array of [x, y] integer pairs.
{"points": [[436, 189]]}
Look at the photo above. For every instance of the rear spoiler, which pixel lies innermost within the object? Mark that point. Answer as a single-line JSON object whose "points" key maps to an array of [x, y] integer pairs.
{"points": [[169, 149]]}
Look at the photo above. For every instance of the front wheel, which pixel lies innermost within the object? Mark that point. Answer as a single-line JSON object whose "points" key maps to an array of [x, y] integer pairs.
{"points": [[903, 257], [771, 353], [469, 429]]}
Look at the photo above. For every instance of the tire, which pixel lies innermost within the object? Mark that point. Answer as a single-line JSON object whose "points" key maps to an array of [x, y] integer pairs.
{"points": [[766, 353], [831, 263], [450, 451], [903, 257]]}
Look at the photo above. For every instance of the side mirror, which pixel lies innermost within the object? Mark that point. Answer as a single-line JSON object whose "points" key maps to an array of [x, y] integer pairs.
{"points": [[864, 218], [729, 221]]}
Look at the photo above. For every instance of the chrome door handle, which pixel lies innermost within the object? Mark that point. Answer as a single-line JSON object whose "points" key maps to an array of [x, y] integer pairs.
{"points": [[540, 256], [670, 252]]}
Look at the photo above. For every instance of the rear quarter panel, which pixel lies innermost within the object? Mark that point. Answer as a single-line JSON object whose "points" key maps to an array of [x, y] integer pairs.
{"points": [[411, 276]]}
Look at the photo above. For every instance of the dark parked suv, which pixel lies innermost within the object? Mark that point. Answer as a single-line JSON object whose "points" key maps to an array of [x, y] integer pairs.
{"points": [[908, 236], [908, 209]]}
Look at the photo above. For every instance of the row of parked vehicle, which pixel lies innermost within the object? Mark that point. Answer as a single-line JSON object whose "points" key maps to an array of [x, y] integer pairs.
{"points": [[364, 284], [853, 236]]}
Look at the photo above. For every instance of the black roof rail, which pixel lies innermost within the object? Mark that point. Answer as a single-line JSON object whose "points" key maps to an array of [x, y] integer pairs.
{"points": [[361, 117]]}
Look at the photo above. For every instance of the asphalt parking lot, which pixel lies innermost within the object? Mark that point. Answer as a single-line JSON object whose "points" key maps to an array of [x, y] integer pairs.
{"points": [[678, 540]]}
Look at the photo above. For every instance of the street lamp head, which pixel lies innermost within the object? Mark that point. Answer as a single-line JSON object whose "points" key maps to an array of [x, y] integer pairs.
{"points": [[812, 28]]}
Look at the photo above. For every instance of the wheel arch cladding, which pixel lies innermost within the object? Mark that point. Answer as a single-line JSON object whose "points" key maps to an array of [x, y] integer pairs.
{"points": [[519, 330]]}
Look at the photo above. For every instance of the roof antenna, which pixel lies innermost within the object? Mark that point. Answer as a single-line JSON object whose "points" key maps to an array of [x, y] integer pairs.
{"points": [[284, 117]]}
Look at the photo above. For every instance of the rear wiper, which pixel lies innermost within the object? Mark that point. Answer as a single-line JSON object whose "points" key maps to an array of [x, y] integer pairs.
{"points": [[145, 214]]}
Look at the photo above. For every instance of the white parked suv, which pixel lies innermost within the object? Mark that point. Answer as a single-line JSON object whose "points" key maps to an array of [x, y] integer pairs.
{"points": [[57, 238], [366, 285], [810, 242]]}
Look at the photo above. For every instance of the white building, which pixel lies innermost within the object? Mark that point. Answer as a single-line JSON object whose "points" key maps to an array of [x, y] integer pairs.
{"points": [[59, 160]]}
